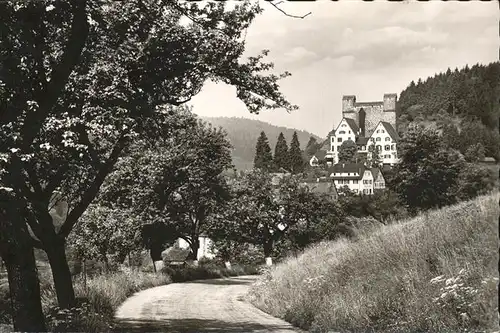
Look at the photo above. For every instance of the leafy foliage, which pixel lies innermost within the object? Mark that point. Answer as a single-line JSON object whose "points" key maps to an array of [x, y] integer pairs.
{"points": [[176, 182], [375, 160], [469, 93], [276, 212], [427, 171], [312, 147], [105, 234], [348, 152], [81, 80]]}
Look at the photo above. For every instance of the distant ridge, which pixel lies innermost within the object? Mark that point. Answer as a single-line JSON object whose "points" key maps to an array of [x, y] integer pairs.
{"points": [[243, 134]]}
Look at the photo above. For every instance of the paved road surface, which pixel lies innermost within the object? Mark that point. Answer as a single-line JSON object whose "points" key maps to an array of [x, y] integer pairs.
{"points": [[199, 306]]}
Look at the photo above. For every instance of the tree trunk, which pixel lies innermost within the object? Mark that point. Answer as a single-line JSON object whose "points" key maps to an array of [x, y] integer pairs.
{"points": [[61, 273], [153, 257], [268, 250], [84, 272], [17, 252], [195, 245]]}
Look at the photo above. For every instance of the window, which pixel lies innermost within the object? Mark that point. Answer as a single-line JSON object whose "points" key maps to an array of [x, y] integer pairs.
{"points": [[349, 138], [332, 139], [343, 125], [378, 131], [392, 147], [387, 147], [379, 147], [349, 132], [355, 181], [382, 131], [369, 181], [379, 139], [341, 132], [339, 139], [387, 138], [370, 191], [348, 173]]}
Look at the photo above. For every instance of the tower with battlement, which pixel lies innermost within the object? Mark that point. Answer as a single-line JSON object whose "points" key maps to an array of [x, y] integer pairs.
{"points": [[371, 112]]}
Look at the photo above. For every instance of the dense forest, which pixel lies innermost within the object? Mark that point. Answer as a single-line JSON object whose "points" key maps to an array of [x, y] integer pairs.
{"points": [[243, 134], [467, 99]]}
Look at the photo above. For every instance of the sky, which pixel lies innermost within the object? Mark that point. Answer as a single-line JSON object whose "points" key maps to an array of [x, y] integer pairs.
{"points": [[357, 48]]}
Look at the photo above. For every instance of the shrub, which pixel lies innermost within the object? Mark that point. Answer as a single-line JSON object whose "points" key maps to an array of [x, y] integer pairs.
{"points": [[435, 273], [207, 269]]}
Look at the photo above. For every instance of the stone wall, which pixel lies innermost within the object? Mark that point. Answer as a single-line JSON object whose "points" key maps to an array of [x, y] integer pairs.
{"points": [[375, 111]]}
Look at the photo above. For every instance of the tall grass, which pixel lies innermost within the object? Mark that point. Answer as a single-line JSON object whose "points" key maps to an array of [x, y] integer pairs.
{"points": [[434, 273], [98, 300]]}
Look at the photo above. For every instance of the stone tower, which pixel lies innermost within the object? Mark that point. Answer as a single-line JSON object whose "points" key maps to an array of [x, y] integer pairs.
{"points": [[373, 112]]}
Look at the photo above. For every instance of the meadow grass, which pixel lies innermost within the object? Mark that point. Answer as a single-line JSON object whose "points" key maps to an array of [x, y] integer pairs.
{"points": [[436, 272], [97, 300]]}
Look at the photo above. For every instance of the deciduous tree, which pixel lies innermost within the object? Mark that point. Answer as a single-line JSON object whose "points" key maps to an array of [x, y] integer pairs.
{"points": [[83, 77], [427, 172], [348, 152]]}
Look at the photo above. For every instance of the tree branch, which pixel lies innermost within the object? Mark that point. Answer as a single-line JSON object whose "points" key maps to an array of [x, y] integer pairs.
{"points": [[61, 72], [93, 189], [275, 5]]}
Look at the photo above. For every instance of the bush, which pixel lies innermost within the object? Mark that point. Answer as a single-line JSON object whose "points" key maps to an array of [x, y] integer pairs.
{"points": [[434, 273], [208, 269]]}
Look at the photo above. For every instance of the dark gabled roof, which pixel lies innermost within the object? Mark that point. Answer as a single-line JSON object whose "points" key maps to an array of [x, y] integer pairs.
{"points": [[392, 132], [352, 123], [362, 141], [347, 168], [321, 186], [320, 155]]}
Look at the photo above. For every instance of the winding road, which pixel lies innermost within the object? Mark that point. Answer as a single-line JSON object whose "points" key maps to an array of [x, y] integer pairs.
{"points": [[197, 306]]}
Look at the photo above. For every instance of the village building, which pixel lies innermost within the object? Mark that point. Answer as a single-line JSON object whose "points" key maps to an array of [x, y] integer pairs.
{"points": [[357, 178]]}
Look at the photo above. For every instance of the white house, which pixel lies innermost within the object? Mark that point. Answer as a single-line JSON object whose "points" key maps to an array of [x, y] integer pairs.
{"points": [[204, 249], [385, 139], [357, 177]]}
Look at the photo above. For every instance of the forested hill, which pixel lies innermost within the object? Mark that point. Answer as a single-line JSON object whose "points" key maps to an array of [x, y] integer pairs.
{"points": [[469, 93], [243, 134]]}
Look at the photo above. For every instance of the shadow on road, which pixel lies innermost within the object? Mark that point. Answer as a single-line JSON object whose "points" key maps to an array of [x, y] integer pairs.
{"points": [[192, 326], [226, 282]]}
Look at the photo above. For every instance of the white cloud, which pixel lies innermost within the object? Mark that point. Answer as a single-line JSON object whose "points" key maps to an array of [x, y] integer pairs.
{"points": [[354, 47], [298, 53]]}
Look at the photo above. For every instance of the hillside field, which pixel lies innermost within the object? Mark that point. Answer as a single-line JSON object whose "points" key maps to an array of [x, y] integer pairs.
{"points": [[436, 272]]}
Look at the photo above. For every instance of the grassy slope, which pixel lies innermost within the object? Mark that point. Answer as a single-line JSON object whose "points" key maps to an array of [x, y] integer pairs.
{"points": [[383, 281]]}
